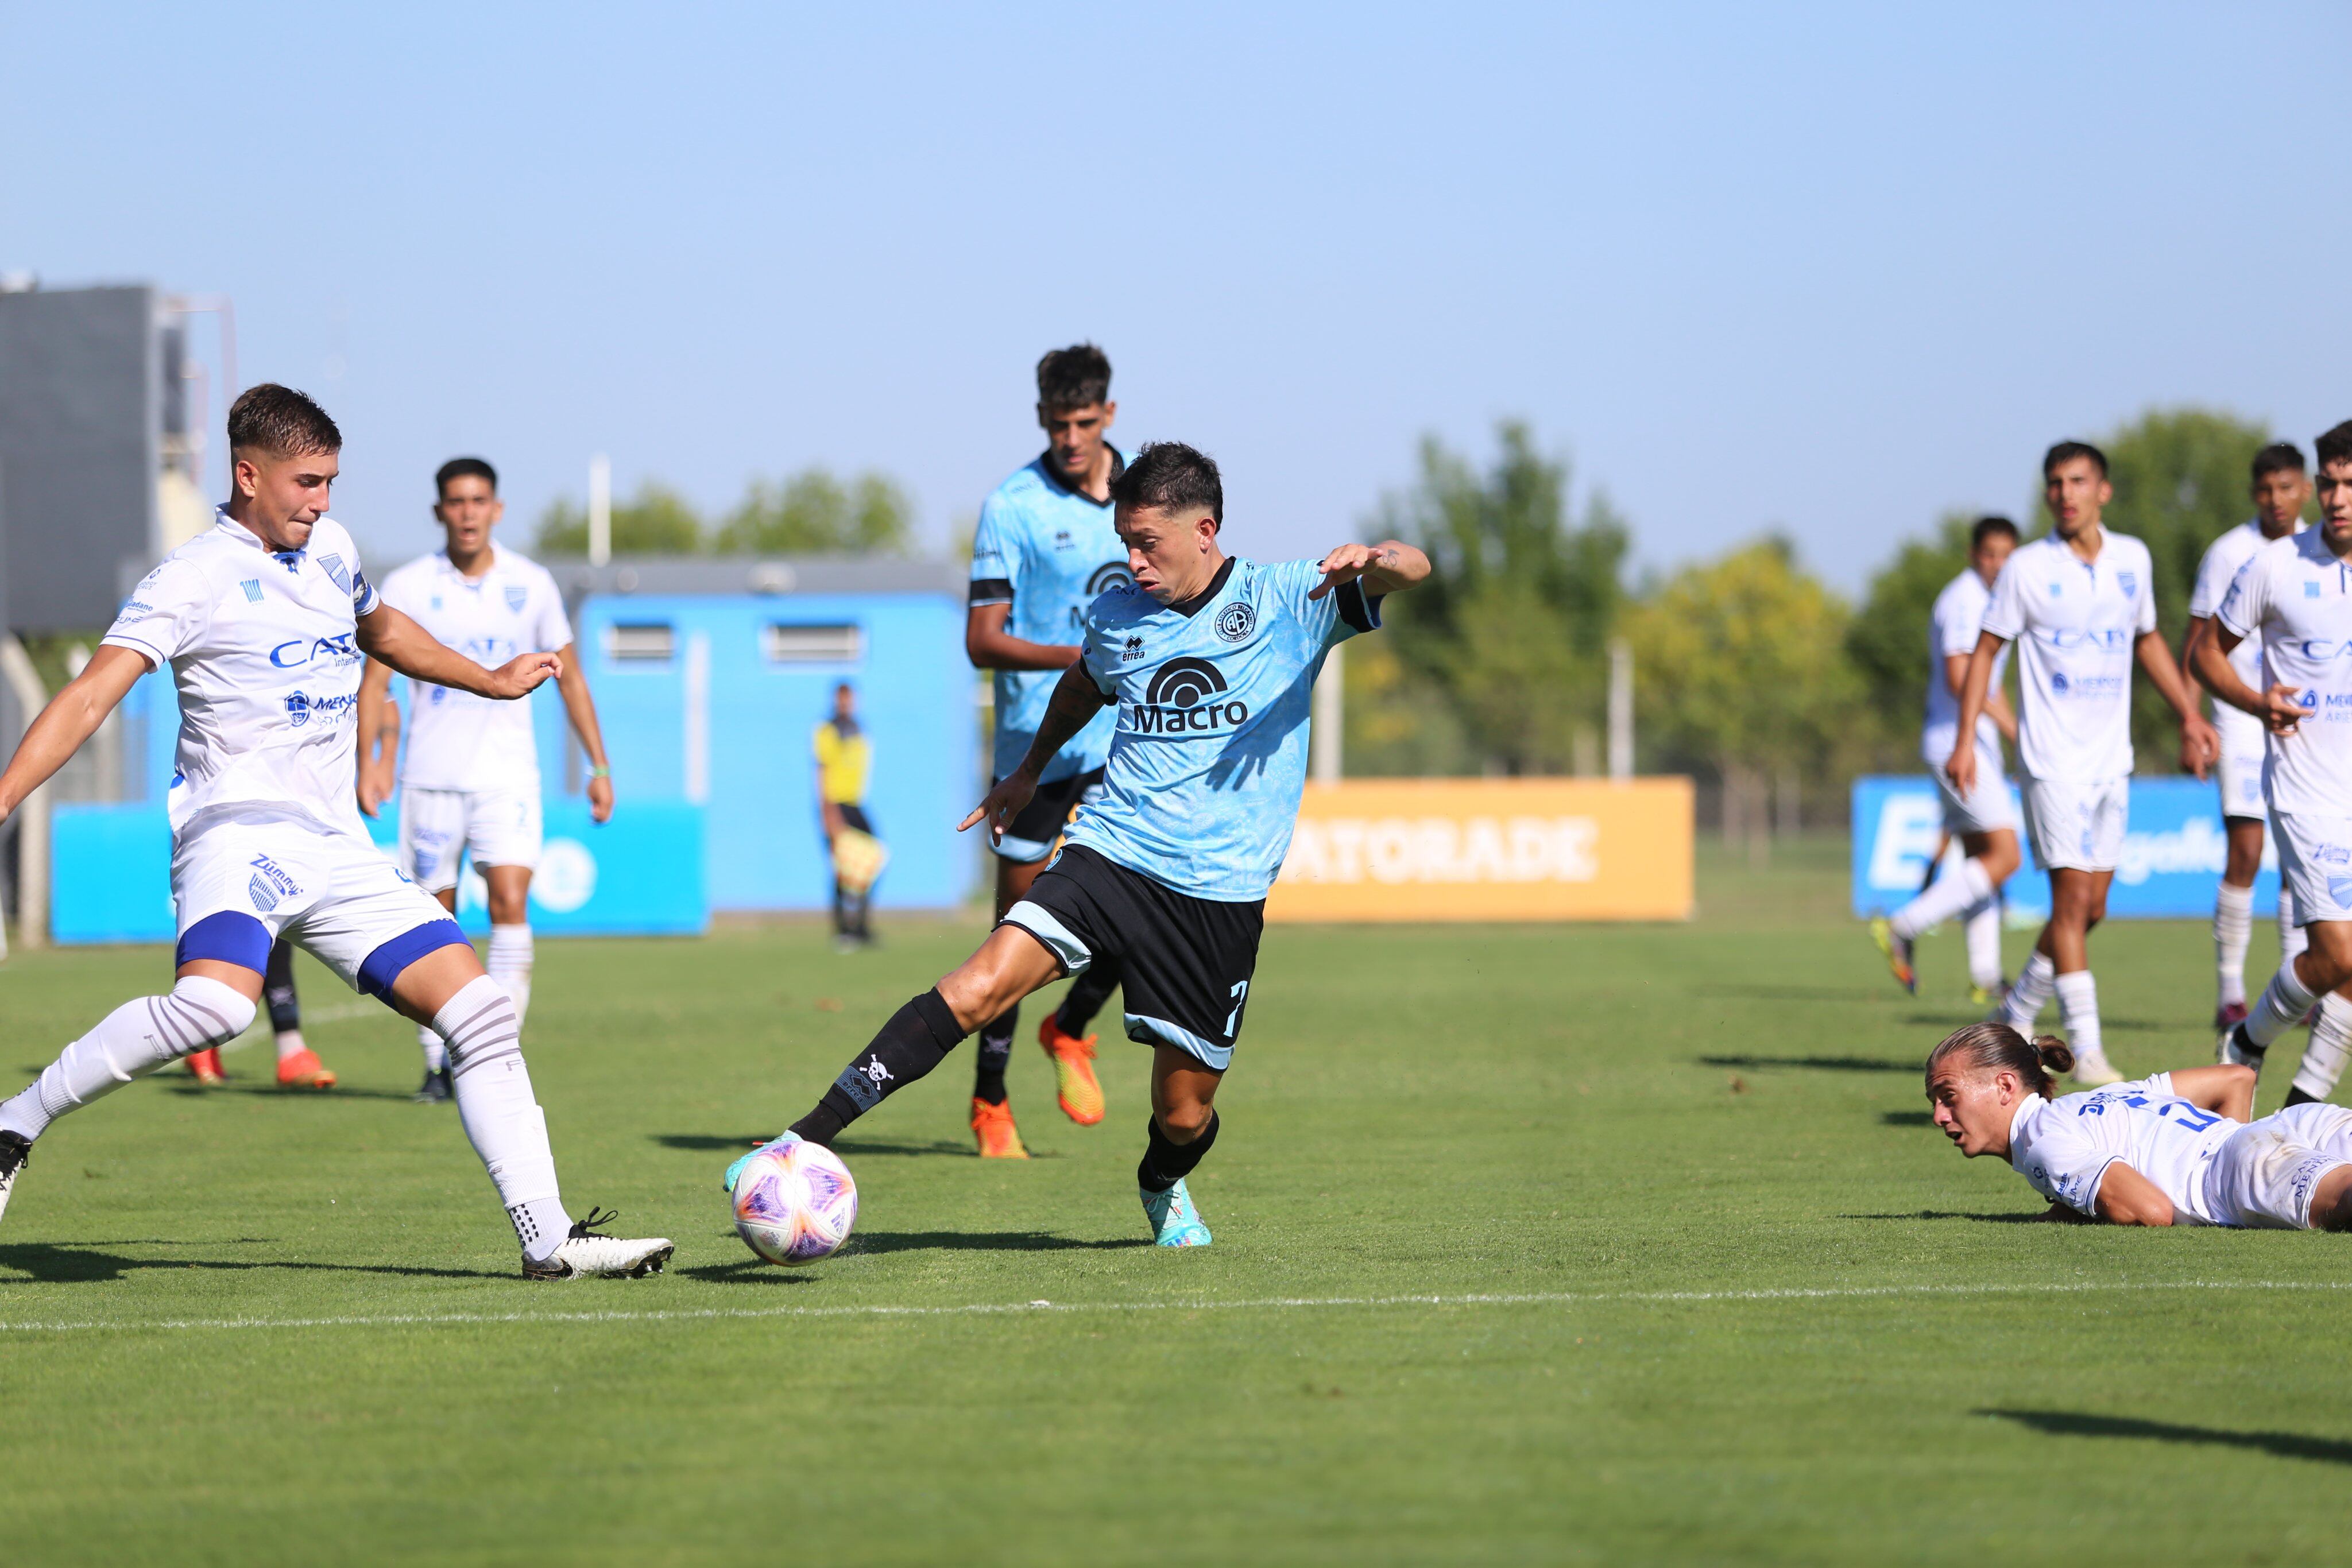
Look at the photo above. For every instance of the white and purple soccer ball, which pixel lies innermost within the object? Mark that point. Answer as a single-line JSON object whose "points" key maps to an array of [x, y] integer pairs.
{"points": [[796, 1203]]}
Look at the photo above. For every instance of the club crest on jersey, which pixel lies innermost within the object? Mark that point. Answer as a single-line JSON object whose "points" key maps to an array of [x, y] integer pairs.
{"points": [[337, 572], [2128, 582], [1109, 576], [1182, 700], [516, 594], [1235, 621]]}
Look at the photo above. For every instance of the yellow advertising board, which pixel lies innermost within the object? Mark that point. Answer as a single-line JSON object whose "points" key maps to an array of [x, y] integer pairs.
{"points": [[1489, 848]]}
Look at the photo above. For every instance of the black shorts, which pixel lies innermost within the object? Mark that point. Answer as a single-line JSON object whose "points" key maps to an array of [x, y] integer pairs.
{"points": [[855, 817], [1185, 963], [1038, 828]]}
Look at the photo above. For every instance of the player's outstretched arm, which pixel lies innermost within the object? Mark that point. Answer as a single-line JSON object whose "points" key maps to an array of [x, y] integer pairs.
{"points": [[2275, 708], [386, 634], [1962, 769], [572, 681], [1077, 699], [2200, 745], [990, 646], [72, 716], [1388, 567], [2127, 1197]]}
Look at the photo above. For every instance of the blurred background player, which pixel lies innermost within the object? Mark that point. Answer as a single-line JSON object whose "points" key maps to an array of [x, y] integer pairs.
{"points": [[299, 1066], [470, 778], [2295, 594], [2082, 604], [845, 762], [2281, 488], [1982, 819], [1044, 549]]}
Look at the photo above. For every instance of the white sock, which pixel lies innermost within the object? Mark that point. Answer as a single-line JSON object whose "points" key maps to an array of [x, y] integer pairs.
{"points": [[1983, 930], [2078, 1014], [509, 966], [2292, 938], [1961, 888], [2233, 927], [291, 1043], [2285, 1001], [501, 1119], [436, 1053], [2027, 997], [135, 1037], [2331, 1042]]}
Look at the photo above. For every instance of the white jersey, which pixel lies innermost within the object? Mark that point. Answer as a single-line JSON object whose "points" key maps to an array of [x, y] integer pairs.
{"points": [[2063, 1146], [2242, 732], [2074, 623], [2298, 596], [263, 657], [1952, 628], [457, 740]]}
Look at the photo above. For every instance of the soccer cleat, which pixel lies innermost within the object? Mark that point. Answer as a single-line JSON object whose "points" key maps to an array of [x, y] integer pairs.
{"points": [[1079, 1090], [735, 1171], [437, 1088], [2235, 1050], [1996, 997], [303, 1069], [2095, 1071], [1174, 1221], [1898, 953], [2229, 1014], [14, 1154], [583, 1254], [207, 1066], [999, 1138]]}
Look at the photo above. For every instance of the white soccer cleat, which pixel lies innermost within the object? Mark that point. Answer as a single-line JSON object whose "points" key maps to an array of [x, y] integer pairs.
{"points": [[2234, 1049], [585, 1254], [2095, 1071], [13, 1152]]}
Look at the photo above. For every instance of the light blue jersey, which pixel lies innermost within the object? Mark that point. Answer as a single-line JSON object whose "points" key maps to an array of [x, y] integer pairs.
{"points": [[1048, 550], [1201, 788]]}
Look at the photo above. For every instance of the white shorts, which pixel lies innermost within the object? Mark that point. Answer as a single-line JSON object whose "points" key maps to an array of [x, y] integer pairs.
{"points": [[2240, 775], [335, 896], [439, 827], [2263, 1176], [2077, 827], [2315, 857], [1986, 808]]}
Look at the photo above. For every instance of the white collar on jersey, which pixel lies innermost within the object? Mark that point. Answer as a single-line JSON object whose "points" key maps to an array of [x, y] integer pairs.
{"points": [[449, 567], [244, 536]]}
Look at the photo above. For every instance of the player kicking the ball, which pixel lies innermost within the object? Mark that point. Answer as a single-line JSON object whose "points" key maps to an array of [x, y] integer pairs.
{"points": [[1044, 551], [265, 619], [2296, 594], [1211, 660], [469, 779]]}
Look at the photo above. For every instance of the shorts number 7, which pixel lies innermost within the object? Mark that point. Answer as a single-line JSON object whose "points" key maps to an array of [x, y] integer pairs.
{"points": [[1240, 993]]}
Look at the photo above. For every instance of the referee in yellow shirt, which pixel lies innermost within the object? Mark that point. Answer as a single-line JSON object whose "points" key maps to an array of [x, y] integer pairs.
{"points": [[844, 759]]}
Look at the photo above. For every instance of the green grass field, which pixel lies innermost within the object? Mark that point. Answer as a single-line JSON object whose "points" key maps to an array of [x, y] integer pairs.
{"points": [[1536, 1245]]}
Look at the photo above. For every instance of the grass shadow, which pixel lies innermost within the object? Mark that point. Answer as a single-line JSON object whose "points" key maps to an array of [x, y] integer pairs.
{"points": [[2010, 1216], [2080, 1423], [704, 1143], [1818, 1063], [1907, 1118], [71, 1263], [189, 1089], [985, 1241], [745, 1271]]}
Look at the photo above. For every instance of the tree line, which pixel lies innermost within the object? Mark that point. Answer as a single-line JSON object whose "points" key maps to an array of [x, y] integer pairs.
{"points": [[807, 512]]}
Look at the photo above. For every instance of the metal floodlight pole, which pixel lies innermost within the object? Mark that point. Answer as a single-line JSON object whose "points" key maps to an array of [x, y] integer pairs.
{"points": [[1621, 709], [33, 815], [600, 510]]}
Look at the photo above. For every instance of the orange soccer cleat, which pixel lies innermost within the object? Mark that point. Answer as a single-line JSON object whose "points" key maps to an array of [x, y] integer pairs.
{"points": [[999, 1138], [207, 1066], [303, 1069], [1074, 1071]]}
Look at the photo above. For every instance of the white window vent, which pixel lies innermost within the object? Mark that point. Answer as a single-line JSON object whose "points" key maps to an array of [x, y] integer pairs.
{"points": [[782, 643], [640, 641]]}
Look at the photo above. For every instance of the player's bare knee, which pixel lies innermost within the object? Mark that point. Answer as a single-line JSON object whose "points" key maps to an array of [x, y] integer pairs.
{"points": [[1183, 1119]]}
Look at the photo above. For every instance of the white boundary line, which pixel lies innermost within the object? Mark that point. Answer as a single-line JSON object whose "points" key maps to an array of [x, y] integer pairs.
{"points": [[1269, 1303]]}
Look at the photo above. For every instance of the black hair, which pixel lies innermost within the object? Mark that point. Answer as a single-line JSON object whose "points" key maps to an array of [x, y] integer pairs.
{"points": [[1075, 377], [2067, 451], [1168, 475], [2335, 446], [1986, 527], [463, 468], [281, 422], [1990, 1047], [2279, 457]]}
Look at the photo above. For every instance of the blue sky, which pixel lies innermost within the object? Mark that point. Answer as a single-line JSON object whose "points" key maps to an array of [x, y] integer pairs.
{"points": [[1828, 272]]}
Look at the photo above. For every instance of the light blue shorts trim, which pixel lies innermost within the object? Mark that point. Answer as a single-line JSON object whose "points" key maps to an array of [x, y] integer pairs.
{"points": [[1159, 1031], [1072, 954], [1022, 852]]}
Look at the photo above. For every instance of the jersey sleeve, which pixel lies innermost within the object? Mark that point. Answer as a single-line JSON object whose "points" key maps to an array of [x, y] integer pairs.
{"points": [[1338, 615], [2145, 621], [364, 598], [2004, 615], [1096, 654], [2246, 600], [1957, 633], [2065, 1166], [2213, 579], [165, 615], [996, 553], [553, 628]]}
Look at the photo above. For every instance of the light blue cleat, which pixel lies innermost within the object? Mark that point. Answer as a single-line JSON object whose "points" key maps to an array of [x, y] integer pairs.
{"points": [[1174, 1221], [736, 1170]]}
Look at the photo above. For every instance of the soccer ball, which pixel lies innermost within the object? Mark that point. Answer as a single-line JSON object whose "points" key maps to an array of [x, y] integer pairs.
{"points": [[796, 1203]]}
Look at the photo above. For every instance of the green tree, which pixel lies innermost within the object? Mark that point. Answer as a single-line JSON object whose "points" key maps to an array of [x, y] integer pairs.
{"points": [[657, 520], [813, 513], [1513, 626], [1888, 640]]}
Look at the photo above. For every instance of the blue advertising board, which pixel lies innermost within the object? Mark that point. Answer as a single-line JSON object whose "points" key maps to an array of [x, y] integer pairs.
{"points": [[639, 875], [2174, 848]]}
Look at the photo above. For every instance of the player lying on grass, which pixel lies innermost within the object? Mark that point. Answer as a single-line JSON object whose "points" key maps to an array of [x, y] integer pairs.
{"points": [[265, 619], [2174, 1149], [1212, 660]]}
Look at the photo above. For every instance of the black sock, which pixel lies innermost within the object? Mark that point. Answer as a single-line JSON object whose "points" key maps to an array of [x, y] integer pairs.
{"points": [[1087, 995], [996, 1053], [1166, 1163], [2297, 1097], [917, 1039], [278, 988]]}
